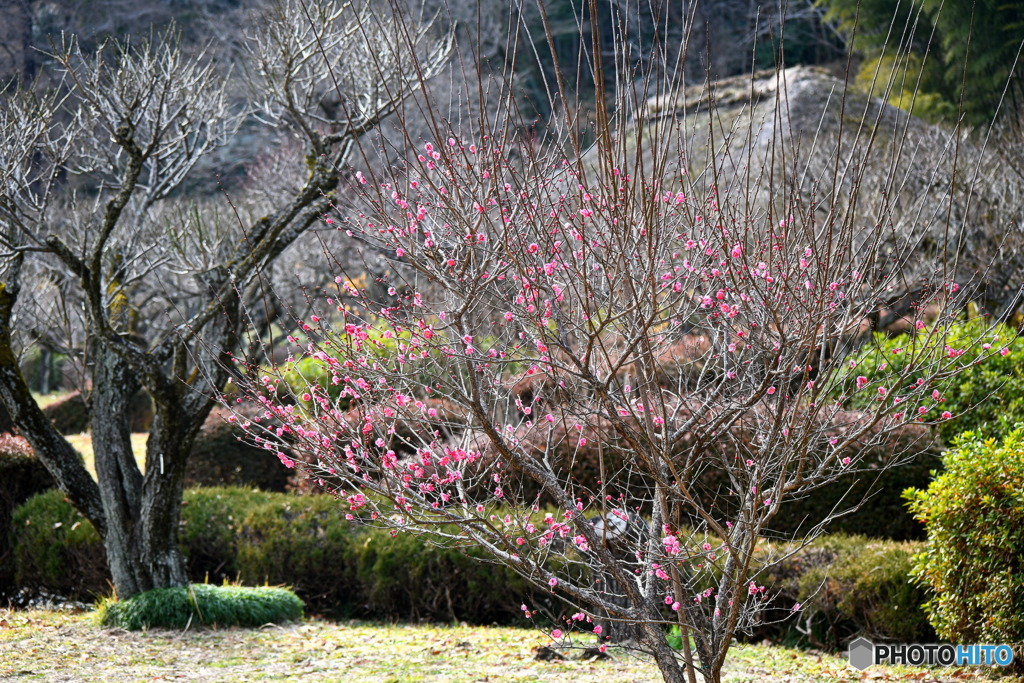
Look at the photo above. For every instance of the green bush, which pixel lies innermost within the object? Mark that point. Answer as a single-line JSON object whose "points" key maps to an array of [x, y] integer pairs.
{"points": [[211, 521], [337, 566], [974, 516], [410, 577], [382, 342], [876, 593], [850, 586], [21, 477], [69, 414], [343, 569], [305, 542], [202, 605], [987, 395], [56, 549], [306, 373], [298, 376], [225, 533]]}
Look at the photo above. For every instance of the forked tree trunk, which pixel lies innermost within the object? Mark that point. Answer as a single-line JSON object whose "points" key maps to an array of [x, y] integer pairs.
{"points": [[142, 510], [136, 515], [170, 441]]}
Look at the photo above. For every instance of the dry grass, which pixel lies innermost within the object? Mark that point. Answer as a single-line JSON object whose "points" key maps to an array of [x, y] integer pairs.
{"points": [[83, 444], [45, 400], [54, 646]]}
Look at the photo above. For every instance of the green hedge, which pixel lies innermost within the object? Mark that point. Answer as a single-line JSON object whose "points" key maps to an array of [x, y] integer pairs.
{"points": [[57, 550], [335, 566], [343, 569], [212, 520], [847, 586], [300, 375], [974, 560], [222, 456], [304, 542], [21, 477], [69, 413], [308, 374], [442, 583]]}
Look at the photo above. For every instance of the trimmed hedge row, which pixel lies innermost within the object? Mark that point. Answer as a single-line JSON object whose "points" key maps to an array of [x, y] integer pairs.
{"points": [[337, 567], [847, 584], [21, 477]]}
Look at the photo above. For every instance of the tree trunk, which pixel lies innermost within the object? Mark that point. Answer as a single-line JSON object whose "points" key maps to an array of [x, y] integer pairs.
{"points": [[45, 370], [137, 516], [170, 441], [142, 510], [653, 637], [618, 630], [28, 53], [5, 419]]}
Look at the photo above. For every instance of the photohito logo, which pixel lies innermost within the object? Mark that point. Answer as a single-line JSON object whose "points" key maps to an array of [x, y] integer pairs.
{"points": [[863, 653]]}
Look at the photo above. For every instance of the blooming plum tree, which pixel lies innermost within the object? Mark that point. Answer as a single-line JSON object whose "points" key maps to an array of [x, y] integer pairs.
{"points": [[610, 364], [551, 309]]}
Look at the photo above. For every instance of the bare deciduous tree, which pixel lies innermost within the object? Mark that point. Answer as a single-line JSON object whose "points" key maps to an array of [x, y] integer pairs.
{"points": [[89, 177]]}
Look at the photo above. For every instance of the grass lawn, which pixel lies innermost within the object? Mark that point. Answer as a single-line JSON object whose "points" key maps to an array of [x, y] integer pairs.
{"points": [[56, 646], [83, 444], [45, 400]]}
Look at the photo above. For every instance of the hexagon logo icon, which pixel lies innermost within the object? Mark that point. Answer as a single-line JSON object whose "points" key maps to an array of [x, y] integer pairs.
{"points": [[862, 654]]}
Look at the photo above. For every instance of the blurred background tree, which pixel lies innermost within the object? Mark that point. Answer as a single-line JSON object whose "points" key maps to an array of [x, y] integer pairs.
{"points": [[926, 55]]}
